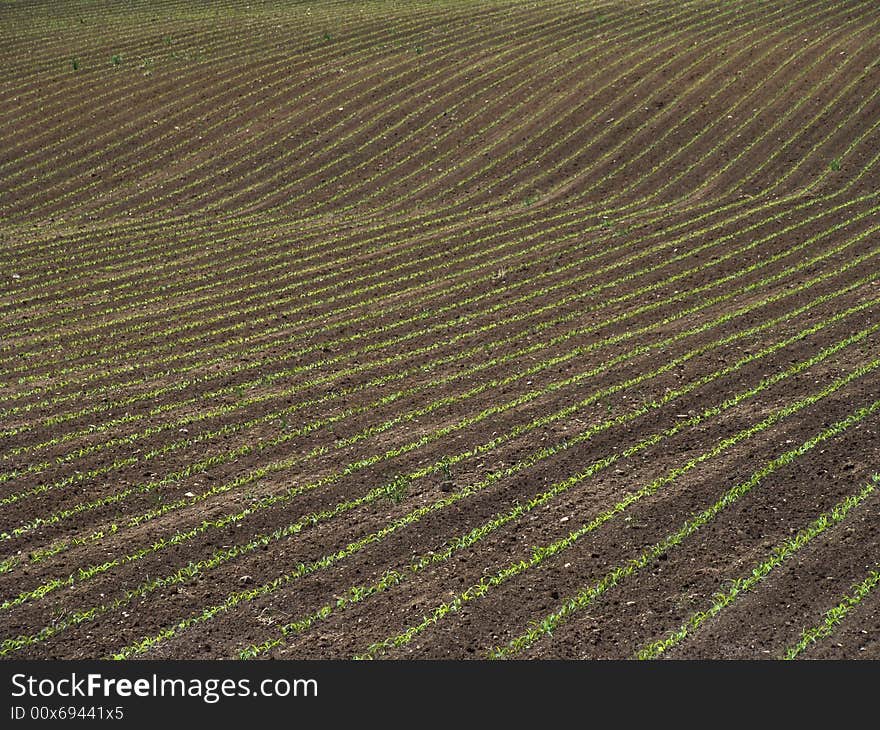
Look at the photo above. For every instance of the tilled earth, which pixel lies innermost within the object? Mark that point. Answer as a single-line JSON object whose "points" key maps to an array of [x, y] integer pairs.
{"points": [[489, 329]]}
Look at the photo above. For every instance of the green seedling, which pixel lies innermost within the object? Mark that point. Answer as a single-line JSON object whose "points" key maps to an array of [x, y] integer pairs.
{"points": [[396, 491], [447, 484]]}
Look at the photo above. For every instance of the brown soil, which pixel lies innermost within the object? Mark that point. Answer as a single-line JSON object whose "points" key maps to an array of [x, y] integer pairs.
{"points": [[255, 270]]}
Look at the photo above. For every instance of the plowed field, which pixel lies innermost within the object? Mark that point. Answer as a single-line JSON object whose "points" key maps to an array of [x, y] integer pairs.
{"points": [[440, 329]]}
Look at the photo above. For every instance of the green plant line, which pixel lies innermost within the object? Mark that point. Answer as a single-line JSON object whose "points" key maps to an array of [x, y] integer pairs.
{"points": [[42, 553], [541, 232], [559, 142], [669, 180], [153, 393], [817, 180], [279, 266], [761, 570], [835, 615], [281, 290], [354, 466], [276, 293], [649, 60], [39, 467], [247, 449], [309, 299], [381, 76], [399, 302], [116, 404], [389, 76], [470, 34], [639, 202], [719, 171], [540, 554], [816, 119], [394, 487], [231, 47], [549, 623], [662, 167], [479, 136], [356, 594], [451, 101], [369, 308], [224, 555], [275, 193], [285, 68], [271, 184], [573, 111], [182, 16]]}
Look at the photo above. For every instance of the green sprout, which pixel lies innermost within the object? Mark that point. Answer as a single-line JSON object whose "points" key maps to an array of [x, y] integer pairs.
{"points": [[447, 484], [396, 491]]}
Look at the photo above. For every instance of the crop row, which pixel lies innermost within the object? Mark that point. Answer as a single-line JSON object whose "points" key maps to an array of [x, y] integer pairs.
{"points": [[388, 77], [275, 192], [171, 108], [79, 477], [180, 384], [224, 555], [647, 60], [864, 103], [79, 30], [38, 467], [760, 571], [378, 493], [587, 596], [357, 594], [833, 616], [497, 161]]}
